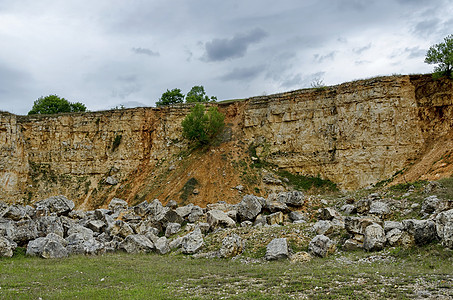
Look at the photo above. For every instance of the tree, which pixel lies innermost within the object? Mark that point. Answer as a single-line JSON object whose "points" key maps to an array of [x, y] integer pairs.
{"points": [[197, 94], [171, 97], [53, 104], [201, 128], [441, 54]]}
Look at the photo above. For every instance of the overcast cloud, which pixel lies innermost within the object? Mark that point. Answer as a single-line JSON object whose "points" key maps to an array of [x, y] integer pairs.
{"points": [[105, 53]]}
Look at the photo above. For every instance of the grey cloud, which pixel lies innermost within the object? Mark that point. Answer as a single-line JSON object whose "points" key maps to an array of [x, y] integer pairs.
{"points": [[427, 28], [223, 49], [321, 58], [292, 81], [246, 73], [360, 50], [415, 52], [145, 51]]}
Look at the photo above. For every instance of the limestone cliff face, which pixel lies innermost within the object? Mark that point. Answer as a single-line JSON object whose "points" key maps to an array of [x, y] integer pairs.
{"points": [[354, 134]]}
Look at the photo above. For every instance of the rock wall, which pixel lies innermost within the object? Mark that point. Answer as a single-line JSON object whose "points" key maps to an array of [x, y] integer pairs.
{"points": [[355, 134]]}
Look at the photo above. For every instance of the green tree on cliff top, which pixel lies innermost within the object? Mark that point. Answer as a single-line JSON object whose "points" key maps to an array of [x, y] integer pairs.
{"points": [[442, 55], [171, 97], [53, 104], [197, 94]]}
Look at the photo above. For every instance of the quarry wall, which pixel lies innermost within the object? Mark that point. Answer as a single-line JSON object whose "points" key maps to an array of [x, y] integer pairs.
{"points": [[354, 134]]}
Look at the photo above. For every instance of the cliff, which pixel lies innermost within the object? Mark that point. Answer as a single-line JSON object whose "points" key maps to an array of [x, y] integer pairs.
{"points": [[355, 134]]}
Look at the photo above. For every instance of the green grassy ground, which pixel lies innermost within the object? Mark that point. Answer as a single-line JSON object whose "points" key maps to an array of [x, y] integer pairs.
{"points": [[393, 274]]}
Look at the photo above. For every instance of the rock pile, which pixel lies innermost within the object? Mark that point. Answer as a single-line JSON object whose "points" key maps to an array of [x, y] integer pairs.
{"points": [[53, 229]]}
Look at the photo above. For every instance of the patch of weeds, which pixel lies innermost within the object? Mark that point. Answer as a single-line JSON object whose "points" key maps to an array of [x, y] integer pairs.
{"points": [[19, 252], [188, 188], [404, 187], [116, 141], [302, 182]]}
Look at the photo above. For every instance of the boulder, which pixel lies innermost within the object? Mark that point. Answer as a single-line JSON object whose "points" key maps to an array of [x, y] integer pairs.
{"points": [[297, 216], [260, 220], [444, 228], [357, 225], [423, 231], [294, 198], [142, 209], [232, 245], [249, 207], [172, 204], [56, 204], [136, 243], [7, 228], [167, 215], [277, 249], [348, 209], [111, 180], [352, 244], [329, 214], [51, 246], [6, 247], [121, 229], [270, 179], [275, 218], [184, 211], [25, 231], [273, 205], [192, 242], [430, 205], [390, 225], [162, 246], [398, 237], [321, 246], [374, 237], [117, 205], [49, 224], [379, 208], [323, 227], [221, 205], [217, 218], [96, 226], [15, 212], [196, 214], [175, 244], [172, 228]]}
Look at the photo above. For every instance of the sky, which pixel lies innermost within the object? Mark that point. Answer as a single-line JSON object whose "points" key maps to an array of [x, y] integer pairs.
{"points": [[108, 53]]}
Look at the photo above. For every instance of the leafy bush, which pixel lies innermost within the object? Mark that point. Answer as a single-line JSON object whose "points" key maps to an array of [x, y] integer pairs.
{"points": [[442, 55], [201, 128], [171, 97], [197, 94], [53, 104]]}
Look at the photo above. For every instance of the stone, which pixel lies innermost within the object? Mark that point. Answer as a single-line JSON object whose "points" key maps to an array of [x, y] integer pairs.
{"points": [[321, 246], [117, 205], [121, 229], [172, 228], [352, 244], [397, 237], [221, 205], [196, 214], [217, 218], [232, 245], [111, 180], [275, 218], [25, 231], [175, 244], [204, 227], [57, 204], [444, 228], [270, 179], [363, 206], [329, 213], [294, 198], [423, 231], [81, 232], [192, 242], [430, 205], [6, 247], [7, 228], [233, 214], [260, 220], [15, 213], [272, 205], [167, 215], [348, 209], [162, 246], [54, 249], [380, 209], [277, 249], [184, 211], [136, 243], [323, 227], [390, 225], [96, 226], [300, 257], [358, 225], [172, 204], [49, 224], [51, 246], [374, 237], [142, 209], [249, 207], [297, 216], [247, 224]]}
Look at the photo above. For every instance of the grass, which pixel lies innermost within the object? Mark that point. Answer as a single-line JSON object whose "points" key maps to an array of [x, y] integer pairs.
{"points": [[181, 277], [304, 183]]}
